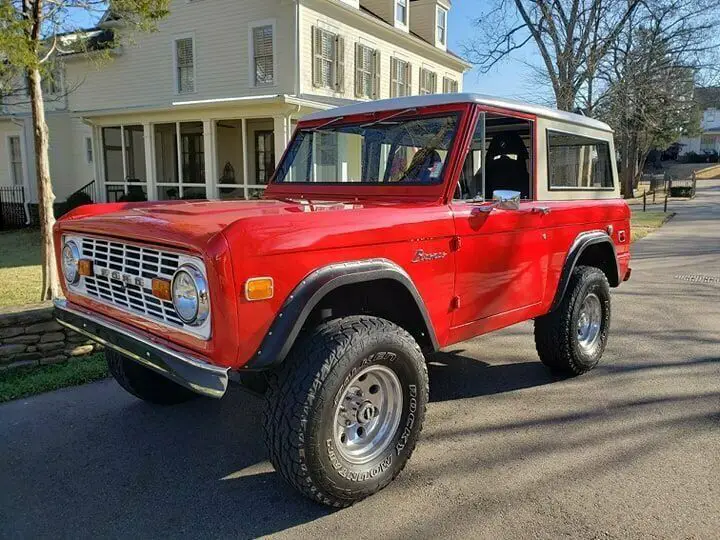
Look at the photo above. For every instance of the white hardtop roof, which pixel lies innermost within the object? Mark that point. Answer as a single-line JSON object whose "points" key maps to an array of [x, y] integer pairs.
{"points": [[445, 99]]}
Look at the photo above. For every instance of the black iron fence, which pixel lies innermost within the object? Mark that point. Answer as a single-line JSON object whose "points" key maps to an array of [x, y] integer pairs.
{"points": [[12, 207]]}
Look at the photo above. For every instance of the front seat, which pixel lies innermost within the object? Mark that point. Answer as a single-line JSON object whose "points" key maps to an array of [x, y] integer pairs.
{"points": [[503, 171]]}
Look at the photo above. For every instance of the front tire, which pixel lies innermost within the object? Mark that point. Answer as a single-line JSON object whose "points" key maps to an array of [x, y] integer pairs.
{"points": [[345, 409], [144, 383], [571, 339]]}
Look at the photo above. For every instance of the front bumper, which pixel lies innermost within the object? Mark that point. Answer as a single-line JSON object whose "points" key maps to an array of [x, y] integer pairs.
{"points": [[185, 370]]}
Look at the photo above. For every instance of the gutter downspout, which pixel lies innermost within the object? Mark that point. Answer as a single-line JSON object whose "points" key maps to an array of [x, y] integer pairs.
{"points": [[26, 175], [297, 48]]}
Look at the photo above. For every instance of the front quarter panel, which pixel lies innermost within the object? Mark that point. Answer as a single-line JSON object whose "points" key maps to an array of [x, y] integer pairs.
{"points": [[288, 250]]}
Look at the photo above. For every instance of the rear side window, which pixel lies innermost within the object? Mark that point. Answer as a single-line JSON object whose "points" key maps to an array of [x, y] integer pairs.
{"points": [[577, 162]]}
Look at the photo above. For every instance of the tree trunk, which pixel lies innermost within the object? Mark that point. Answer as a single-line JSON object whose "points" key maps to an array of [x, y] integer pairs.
{"points": [[50, 283], [628, 169]]}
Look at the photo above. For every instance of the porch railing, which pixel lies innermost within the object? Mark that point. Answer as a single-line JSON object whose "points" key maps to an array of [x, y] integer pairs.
{"points": [[12, 207], [89, 190]]}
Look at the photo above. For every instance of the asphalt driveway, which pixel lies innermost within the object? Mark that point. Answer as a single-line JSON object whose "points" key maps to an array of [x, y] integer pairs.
{"points": [[631, 450]]}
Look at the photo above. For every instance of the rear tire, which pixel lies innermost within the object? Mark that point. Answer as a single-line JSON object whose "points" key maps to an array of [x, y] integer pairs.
{"points": [[571, 339], [345, 409], [144, 383]]}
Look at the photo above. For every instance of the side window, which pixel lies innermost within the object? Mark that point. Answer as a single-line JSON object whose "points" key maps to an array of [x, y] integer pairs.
{"points": [[499, 158], [576, 162]]}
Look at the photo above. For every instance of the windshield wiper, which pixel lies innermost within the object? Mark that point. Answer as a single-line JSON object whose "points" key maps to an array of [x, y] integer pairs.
{"points": [[388, 117]]}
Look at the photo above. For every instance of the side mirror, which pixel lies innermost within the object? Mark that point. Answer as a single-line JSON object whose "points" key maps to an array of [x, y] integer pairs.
{"points": [[506, 199]]}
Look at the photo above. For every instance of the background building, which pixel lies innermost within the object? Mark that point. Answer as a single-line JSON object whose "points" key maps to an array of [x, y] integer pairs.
{"points": [[708, 141], [205, 106]]}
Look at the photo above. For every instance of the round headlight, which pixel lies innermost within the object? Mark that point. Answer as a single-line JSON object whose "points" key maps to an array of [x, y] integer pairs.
{"points": [[190, 295], [70, 258]]}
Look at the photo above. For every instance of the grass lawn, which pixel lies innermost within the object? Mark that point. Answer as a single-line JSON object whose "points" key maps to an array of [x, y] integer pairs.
{"points": [[20, 273], [28, 381], [643, 223]]}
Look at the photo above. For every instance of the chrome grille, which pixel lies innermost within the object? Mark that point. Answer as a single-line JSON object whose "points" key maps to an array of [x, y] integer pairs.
{"points": [[123, 274]]}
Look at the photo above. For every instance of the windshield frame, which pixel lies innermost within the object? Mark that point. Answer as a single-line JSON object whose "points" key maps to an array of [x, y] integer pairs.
{"points": [[350, 190]]}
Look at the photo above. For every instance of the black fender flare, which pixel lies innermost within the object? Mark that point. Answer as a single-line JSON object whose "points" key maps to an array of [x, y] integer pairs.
{"points": [[288, 322], [581, 243]]}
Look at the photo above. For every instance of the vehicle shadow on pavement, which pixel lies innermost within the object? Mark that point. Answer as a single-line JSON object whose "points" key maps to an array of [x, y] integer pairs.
{"points": [[454, 375], [129, 468]]}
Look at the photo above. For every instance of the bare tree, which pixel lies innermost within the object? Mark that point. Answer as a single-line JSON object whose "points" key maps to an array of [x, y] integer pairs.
{"points": [[649, 77], [571, 36], [30, 38]]}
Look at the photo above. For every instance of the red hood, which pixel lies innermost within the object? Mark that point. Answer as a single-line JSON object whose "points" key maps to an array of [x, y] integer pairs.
{"points": [[264, 226], [189, 224]]}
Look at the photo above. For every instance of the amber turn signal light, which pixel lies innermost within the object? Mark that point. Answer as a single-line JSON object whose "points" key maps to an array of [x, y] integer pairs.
{"points": [[161, 289], [259, 288], [85, 267]]}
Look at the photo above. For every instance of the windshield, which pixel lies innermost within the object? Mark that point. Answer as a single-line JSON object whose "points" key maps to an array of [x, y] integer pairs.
{"points": [[393, 151]]}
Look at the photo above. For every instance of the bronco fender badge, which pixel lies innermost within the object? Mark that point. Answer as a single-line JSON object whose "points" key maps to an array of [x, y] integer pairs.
{"points": [[422, 256]]}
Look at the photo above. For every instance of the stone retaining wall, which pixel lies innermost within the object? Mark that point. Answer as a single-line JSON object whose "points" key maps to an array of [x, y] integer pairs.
{"points": [[30, 336]]}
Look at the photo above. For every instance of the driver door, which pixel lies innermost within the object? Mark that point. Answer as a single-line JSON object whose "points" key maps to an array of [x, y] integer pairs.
{"points": [[502, 261]]}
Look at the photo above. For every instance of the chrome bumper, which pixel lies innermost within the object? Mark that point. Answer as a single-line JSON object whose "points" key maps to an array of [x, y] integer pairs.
{"points": [[192, 373]]}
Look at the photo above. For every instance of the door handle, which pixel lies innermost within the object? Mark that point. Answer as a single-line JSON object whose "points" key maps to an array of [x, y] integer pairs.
{"points": [[541, 209]]}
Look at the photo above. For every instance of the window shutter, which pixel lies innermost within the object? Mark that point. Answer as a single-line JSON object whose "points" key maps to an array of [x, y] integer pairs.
{"points": [[376, 74], [185, 65], [408, 79], [358, 72], [433, 83], [316, 56], [393, 77], [340, 64]]}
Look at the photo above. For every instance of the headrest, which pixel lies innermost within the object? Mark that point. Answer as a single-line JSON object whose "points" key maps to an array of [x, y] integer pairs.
{"points": [[507, 143]]}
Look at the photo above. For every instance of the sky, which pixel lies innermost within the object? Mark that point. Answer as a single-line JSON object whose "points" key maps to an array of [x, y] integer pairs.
{"points": [[512, 78]]}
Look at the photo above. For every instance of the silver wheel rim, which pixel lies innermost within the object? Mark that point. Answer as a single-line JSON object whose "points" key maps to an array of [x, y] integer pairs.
{"points": [[589, 322], [368, 414]]}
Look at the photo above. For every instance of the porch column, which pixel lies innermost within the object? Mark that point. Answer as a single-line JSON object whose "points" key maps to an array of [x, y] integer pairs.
{"points": [[99, 158], [281, 127], [210, 159], [246, 158], [149, 145]]}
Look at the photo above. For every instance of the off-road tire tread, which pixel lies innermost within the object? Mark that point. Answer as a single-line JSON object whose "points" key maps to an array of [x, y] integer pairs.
{"points": [[553, 331], [143, 383], [309, 363]]}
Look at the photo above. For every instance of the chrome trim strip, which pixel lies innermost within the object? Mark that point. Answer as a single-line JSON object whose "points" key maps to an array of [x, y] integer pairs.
{"points": [[190, 372]]}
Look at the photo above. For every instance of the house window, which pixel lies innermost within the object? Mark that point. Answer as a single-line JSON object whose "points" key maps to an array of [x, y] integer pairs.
{"points": [[124, 158], [263, 61], [401, 12], [428, 81], [328, 59], [88, 150], [576, 162], [367, 71], [264, 156], [184, 65], [449, 85], [183, 178], [400, 77], [51, 82], [441, 32], [16, 161]]}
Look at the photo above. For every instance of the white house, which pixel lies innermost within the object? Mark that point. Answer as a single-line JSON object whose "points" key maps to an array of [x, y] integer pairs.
{"points": [[205, 106], [708, 140]]}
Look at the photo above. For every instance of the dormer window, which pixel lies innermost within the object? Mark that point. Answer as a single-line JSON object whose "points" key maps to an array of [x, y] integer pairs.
{"points": [[401, 12], [441, 26]]}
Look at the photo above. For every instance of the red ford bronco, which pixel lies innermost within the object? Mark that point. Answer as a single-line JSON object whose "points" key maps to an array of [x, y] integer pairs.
{"points": [[389, 230]]}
